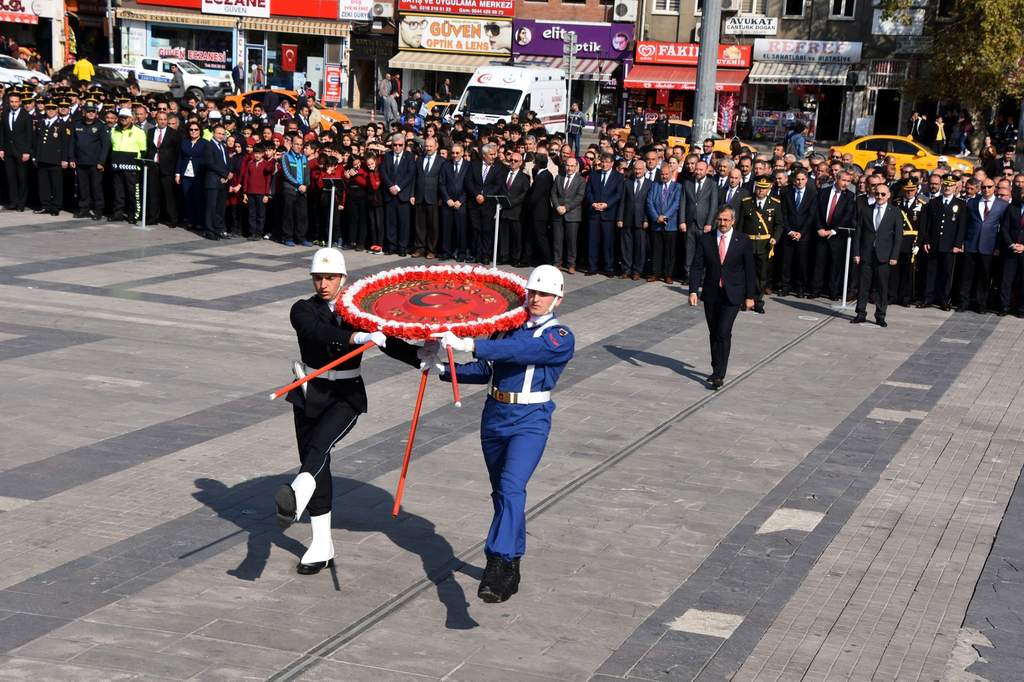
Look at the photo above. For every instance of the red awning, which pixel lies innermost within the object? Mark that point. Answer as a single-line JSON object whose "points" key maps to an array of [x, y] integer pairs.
{"points": [[651, 77]]}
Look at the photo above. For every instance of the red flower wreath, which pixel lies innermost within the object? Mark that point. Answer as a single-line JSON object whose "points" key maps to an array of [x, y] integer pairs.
{"points": [[414, 302]]}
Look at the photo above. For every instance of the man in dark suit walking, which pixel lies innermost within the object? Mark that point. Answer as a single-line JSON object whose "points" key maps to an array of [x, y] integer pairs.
{"points": [[486, 179], [632, 222], [452, 187], [876, 248], [510, 238], [398, 179], [215, 183], [538, 212], [722, 276], [16, 150], [603, 193], [429, 170], [836, 209], [164, 143]]}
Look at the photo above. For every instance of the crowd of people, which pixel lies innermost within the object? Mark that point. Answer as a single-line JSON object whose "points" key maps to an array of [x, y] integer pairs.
{"points": [[421, 187]]}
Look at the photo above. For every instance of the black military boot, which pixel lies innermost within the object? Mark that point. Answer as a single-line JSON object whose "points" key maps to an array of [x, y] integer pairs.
{"points": [[491, 576], [503, 583]]}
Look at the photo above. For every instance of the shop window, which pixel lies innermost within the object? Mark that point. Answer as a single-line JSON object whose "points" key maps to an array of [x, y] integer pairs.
{"points": [[946, 9], [753, 6], [793, 8], [666, 6], [210, 50], [843, 9]]}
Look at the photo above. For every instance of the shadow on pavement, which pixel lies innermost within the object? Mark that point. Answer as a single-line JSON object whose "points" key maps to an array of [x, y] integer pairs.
{"points": [[370, 513], [638, 357]]}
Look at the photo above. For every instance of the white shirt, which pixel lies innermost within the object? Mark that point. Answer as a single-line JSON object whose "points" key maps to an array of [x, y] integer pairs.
{"points": [[538, 320]]}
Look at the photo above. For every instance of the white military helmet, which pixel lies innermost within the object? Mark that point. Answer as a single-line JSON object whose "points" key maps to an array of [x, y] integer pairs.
{"points": [[546, 279], [328, 262]]}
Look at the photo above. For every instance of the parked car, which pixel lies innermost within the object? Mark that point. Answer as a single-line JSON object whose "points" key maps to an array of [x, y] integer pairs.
{"points": [[154, 75], [328, 117], [14, 71], [106, 77], [865, 149]]}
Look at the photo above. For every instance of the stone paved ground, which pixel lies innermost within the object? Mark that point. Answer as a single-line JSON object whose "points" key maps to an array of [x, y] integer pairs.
{"points": [[847, 508]]}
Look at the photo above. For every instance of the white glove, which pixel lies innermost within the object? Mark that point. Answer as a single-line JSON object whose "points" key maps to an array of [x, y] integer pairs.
{"points": [[449, 340], [915, 249], [429, 354], [378, 338]]}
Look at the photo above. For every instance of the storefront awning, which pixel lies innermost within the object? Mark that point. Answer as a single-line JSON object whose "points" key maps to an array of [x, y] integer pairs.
{"points": [[312, 27], [651, 77], [586, 69], [439, 61], [181, 18], [776, 73]]}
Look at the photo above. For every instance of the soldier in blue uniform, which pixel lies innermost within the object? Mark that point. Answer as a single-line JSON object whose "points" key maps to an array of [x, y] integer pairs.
{"points": [[522, 368]]}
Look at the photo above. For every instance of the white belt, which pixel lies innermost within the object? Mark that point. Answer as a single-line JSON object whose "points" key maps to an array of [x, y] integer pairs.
{"points": [[335, 374], [520, 398]]}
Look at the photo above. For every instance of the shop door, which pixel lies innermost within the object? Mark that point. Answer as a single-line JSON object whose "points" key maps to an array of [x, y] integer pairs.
{"points": [[887, 112], [830, 110], [255, 67]]}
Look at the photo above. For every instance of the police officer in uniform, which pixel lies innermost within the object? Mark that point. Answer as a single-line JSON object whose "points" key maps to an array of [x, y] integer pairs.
{"points": [[89, 150], [127, 145], [522, 368], [326, 408], [761, 220], [51, 149], [941, 235], [901, 277]]}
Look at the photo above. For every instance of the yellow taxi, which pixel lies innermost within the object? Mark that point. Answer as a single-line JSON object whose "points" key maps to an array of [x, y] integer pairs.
{"points": [[864, 150], [679, 133], [328, 117]]}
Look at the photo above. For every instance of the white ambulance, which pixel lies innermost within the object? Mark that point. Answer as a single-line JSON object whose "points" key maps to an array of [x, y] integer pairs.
{"points": [[495, 93]]}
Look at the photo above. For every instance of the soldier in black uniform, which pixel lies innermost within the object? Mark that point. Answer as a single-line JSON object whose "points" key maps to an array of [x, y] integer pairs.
{"points": [[51, 149], [941, 236], [901, 277], [89, 151], [330, 405], [761, 220]]}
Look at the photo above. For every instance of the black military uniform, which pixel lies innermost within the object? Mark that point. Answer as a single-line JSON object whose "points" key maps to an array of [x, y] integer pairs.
{"points": [[89, 151], [901, 277], [762, 224], [51, 149], [942, 228]]}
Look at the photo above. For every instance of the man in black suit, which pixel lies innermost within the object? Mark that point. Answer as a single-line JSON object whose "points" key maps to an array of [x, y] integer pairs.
{"points": [[943, 227], [452, 187], [800, 206], [16, 150], [215, 184], [538, 212], [398, 180], [722, 275], [1012, 238], [603, 194], [486, 178], [876, 248], [428, 179], [510, 238], [632, 222], [836, 210], [732, 193], [163, 144], [700, 194]]}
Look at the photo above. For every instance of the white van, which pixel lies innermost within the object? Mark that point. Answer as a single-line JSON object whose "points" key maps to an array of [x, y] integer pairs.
{"points": [[495, 93]]}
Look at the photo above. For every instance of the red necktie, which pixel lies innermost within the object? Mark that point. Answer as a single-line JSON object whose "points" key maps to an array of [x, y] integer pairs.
{"points": [[721, 257], [832, 207]]}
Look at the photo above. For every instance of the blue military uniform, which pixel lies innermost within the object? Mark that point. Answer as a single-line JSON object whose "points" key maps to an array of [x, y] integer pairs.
{"points": [[522, 368]]}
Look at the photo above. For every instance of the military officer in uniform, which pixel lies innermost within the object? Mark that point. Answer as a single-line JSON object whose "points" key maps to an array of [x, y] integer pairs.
{"points": [[522, 368], [761, 220], [51, 150], [89, 150], [328, 407], [941, 235], [901, 276]]}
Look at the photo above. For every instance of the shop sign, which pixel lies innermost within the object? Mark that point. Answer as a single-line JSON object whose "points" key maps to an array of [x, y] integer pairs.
{"points": [[593, 40], [751, 25], [17, 12], [332, 83], [454, 34], [818, 51], [480, 8], [368, 47], [354, 10], [204, 59], [237, 8], [686, 54]]}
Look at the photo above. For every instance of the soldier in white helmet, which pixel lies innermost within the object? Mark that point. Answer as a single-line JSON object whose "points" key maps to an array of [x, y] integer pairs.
{"points": [[522, 368], [326, 408]]}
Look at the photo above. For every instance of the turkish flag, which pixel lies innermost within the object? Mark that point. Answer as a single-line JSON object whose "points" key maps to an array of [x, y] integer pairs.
{"points": [[289, 55]]}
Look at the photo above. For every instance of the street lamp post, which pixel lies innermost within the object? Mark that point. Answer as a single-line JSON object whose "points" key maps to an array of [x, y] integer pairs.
{"points": [[569, 56], [707, 61]]}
